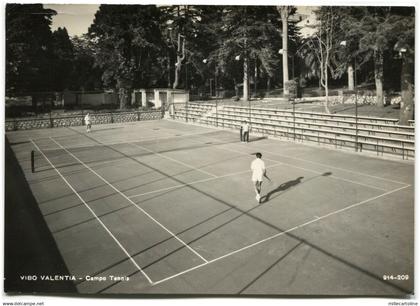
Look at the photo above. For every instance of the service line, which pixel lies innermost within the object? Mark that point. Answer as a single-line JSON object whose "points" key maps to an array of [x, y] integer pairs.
{"points": [[134, 204], [281, 234]]}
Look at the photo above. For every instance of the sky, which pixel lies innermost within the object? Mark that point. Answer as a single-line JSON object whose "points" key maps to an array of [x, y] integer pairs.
{"points": [[76, 18]]}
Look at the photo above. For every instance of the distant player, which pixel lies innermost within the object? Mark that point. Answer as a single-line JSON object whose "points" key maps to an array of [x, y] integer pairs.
{"points": [[88, 122], [258, 172], [246, 132]]}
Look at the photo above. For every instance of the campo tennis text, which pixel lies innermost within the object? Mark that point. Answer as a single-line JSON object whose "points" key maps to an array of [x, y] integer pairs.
{"points": [[54, 278]]}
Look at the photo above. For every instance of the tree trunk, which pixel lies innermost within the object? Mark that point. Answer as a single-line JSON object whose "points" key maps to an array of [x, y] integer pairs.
{"points": [[268, 84], [169, 70], [379, 77], [180, 56], [407, 91], [246, 83], [327, 103], [284, 17], [255, 78], [236, 89], [350, 74]]}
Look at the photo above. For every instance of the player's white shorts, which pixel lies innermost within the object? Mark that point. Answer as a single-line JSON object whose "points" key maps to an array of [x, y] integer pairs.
{"points": [[257, 177]]}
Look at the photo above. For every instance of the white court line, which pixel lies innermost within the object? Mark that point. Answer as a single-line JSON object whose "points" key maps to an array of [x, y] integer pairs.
{"points": [[338, 168], [123, 195], [301, 168], [121, 142], [199, 181], [280, 234], [309, 161], [174, 160], [93, 213]]}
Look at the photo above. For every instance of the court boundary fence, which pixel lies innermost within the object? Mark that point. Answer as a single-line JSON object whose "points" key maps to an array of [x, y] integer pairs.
{"points": [[380, 135], [78, 120]]}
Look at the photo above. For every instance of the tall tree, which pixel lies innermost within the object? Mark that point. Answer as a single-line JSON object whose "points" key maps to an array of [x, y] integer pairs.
{"points": [[85, 74], [246, 34], [28, 49], [284, 12], [403, 31], [128, 40], [63, 57], [323, 45]]}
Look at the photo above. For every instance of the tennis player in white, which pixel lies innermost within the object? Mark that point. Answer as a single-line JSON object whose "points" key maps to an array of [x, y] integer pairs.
{"points": [[258, 172], [88, 122]]}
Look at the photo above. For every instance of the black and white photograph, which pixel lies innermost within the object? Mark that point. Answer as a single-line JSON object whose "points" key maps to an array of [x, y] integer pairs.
{"points": [[198, 150]]}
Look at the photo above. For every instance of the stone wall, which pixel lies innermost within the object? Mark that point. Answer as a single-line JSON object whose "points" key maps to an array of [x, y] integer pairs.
{"points": [[77, 120], [365, 99]]}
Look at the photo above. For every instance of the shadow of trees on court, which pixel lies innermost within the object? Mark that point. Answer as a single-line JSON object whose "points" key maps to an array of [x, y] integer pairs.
{"points": [[280, 189]]}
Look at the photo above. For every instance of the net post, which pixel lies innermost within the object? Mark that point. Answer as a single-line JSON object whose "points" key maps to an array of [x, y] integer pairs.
{"points": [[33, 161]]}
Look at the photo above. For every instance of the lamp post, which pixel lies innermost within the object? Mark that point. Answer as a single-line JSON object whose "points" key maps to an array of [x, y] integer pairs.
{"points": [[356, 144]]}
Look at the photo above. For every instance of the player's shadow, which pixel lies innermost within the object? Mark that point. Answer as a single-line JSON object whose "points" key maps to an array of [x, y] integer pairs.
{"points": [[282, 187], [253, 139]]}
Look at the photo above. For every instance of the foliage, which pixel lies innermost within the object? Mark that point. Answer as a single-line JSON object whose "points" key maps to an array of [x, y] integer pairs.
{"points": [[127, 39], [28, 48], [62, 62]]}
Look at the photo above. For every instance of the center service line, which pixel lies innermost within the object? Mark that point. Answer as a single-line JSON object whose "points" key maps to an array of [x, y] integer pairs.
{"points": [[174, 160], [301, 168], [93, 213], [128, 199]]}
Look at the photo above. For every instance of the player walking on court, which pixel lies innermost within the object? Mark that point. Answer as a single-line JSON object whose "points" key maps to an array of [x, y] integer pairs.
{"points": [[258, 171], [88, 122]]}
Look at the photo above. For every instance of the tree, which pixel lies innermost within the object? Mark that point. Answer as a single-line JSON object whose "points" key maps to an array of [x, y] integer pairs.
{"points": [[247, 34], [127, 44], [85, 74], [403, 31], [28, 49], [63, 57], [284, 12], [324, 44]]}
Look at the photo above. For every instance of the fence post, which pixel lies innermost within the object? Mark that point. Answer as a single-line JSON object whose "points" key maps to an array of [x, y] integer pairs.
{"points": [[138, 115], [357, 132], [217, 117], [294, 122]]}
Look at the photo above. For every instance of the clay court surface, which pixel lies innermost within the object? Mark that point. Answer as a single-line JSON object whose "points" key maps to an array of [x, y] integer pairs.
{"points": [[171, 206]]}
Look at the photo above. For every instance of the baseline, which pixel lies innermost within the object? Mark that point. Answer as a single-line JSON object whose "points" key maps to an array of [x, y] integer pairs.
{"points": [[305, 160], [305, 169]]}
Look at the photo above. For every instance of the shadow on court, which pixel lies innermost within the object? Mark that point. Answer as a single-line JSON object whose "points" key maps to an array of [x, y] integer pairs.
{"points": [[272, 194], [282, 187]]}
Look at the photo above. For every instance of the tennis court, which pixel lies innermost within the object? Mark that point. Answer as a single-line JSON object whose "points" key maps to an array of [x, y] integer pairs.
{"points": [[167, 207]]}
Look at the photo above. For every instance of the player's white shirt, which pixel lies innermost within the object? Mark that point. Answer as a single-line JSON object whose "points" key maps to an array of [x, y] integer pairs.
{"points": [[258, 169], [246, 127], [87, 119]]}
